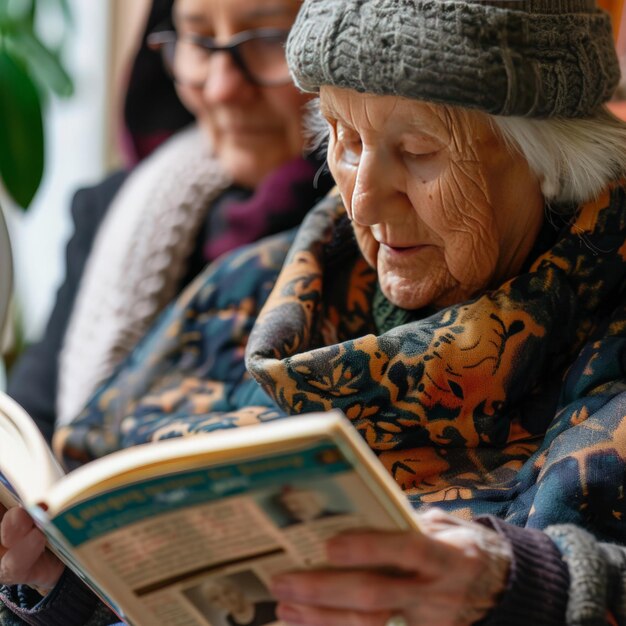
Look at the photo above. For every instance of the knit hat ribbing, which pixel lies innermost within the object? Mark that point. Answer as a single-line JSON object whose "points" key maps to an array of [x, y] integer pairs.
{"points": [[535, 58]]}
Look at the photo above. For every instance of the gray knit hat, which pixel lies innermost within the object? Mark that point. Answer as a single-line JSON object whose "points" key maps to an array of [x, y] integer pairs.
{"points": [[536, 58]]}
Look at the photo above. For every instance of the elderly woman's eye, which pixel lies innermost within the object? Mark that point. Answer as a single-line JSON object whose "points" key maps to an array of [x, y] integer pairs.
{"points": [[420, 156], [350, 145], [352, 152]]}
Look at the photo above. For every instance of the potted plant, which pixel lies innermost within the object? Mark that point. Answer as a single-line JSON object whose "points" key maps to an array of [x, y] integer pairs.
{"points": [[30, 71]]}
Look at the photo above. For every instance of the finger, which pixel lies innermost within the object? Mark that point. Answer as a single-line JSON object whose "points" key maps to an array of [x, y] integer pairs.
{"points": [[437, 614], [356, 590], [409, 551], [17, 564], [298, 615], [16, 524], [46, 572]]}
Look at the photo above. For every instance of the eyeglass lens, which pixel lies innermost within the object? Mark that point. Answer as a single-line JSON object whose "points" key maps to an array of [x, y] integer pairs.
{"points": [[263, 58]]}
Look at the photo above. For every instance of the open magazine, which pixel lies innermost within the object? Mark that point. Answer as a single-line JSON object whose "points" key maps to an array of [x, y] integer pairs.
{"points": [[190, 531]]}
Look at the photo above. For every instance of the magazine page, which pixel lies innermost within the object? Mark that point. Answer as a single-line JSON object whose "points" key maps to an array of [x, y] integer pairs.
{"points": [[27, 466], [8, 495], [199, 547]]}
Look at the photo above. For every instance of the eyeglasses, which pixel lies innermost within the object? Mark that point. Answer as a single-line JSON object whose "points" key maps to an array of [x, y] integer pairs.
{"points": [[259, 54]]}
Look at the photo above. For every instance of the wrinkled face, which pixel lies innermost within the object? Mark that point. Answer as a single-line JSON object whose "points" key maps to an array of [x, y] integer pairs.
{"points": [[440, 205], [253, 129]]}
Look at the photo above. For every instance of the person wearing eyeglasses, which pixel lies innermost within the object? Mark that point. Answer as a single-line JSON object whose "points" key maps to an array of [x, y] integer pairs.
{"points": [[234, 176]]}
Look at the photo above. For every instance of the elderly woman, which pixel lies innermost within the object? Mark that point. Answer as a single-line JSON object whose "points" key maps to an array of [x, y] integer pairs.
{"points": [[460, 299]]}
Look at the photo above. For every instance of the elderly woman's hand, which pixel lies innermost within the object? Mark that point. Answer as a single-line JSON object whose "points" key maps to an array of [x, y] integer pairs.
{"points": [[24, 558], [451, 574]]}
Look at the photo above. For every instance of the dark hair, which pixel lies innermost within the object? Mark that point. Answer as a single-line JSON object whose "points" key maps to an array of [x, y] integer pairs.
{"points": [[152, 110]]}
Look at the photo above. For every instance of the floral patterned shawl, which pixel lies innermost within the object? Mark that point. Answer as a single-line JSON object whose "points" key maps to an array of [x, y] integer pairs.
{"points": [[506, 404]]}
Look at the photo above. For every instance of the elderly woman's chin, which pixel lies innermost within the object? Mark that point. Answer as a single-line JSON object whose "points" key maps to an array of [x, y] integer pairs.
{"points": [[416, 278], [411, 291]]}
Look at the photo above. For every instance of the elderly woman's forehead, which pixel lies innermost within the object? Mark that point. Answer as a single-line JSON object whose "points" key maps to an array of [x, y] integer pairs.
{"points": [[374, 110]]}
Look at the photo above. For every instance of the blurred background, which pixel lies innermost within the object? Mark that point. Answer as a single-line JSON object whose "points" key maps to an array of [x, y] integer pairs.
{"points": [[83, 136], [83, 142]]}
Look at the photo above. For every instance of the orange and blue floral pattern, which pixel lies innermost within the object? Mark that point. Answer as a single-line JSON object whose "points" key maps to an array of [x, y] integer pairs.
{"points": [[507, 404]]}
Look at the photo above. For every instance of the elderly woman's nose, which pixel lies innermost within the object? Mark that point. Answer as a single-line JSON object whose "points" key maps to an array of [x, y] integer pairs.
{"points": [[373, 185], [226, 82]]}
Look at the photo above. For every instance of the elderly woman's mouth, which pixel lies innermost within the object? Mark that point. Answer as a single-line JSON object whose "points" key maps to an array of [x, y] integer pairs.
{"points": [[402, 249]]}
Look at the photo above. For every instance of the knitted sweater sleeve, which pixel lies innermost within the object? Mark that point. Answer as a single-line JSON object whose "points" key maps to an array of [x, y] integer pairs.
{"points": [[597, 577], [70, 603], [537, 590], [560, 577]]}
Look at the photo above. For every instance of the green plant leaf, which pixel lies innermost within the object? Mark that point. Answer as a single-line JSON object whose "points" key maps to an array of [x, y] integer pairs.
{"points": [[17, 10], [32, 12], [21, 131], [43, 65]]}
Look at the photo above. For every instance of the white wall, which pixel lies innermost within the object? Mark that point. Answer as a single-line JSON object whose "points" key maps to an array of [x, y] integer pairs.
{"points": [[75, 156]]}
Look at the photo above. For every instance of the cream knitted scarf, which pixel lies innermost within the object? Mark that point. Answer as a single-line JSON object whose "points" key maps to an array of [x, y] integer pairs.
{"points": [[137, 262]]}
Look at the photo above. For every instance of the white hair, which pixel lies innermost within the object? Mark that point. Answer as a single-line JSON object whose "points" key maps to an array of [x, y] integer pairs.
{"points": [[574, 159], [316, 129]]}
